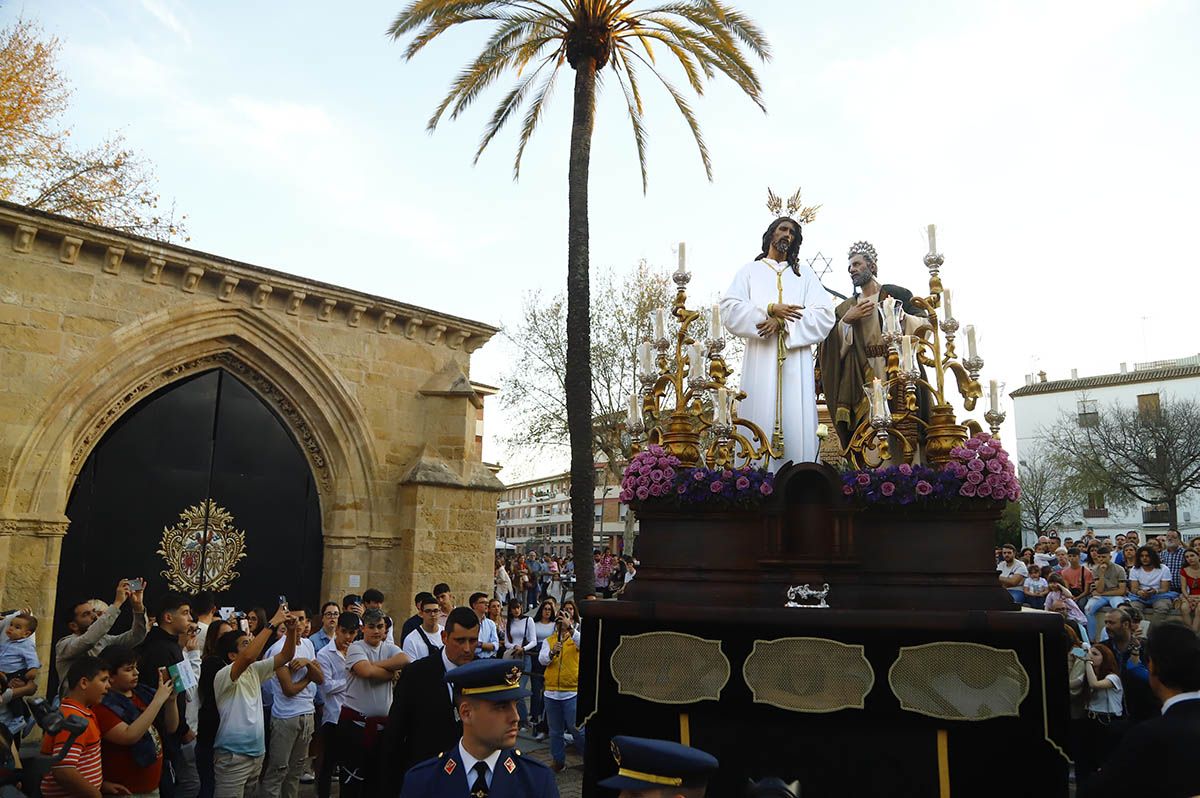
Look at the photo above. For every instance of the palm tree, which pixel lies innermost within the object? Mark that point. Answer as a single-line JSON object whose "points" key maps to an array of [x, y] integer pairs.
{"points": [[533, 38]]}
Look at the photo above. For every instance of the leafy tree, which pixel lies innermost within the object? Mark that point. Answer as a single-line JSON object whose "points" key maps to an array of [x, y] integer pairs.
{"points": [[1134, 455], [1048, 491], [533, 39], [108, 184], [533, 391]]}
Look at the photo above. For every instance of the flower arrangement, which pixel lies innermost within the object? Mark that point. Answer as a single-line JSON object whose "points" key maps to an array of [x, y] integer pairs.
{"points": [[655, 474], [980, 469]]}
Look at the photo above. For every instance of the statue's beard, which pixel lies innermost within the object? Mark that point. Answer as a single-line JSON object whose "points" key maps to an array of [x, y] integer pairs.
{"points": [[861, 278], [782, 246]]}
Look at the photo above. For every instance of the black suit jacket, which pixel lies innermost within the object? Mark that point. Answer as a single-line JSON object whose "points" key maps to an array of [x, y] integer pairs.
{"points": [[161, 650], [422, 722], [1171, 738]]}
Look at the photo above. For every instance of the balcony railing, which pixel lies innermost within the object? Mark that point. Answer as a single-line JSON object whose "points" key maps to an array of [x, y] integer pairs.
{"points": [[1095, 512], [1156, 516]]}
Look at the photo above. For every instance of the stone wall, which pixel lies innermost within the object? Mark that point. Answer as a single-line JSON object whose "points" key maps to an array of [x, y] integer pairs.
{"points": [[376, 392]]}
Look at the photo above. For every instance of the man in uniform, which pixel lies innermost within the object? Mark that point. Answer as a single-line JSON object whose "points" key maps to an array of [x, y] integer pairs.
{"points": [[484, 763], [659, 769]]}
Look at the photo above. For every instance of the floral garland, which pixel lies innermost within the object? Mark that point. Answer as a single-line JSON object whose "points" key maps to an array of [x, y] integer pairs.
{"points": [[980, 469], [655, 475]]}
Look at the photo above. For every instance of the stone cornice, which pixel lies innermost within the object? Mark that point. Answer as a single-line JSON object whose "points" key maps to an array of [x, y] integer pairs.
{"points": [[146, 259], [34, 527]]}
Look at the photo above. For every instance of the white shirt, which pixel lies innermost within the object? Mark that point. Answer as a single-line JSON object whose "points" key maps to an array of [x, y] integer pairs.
{"points": [[283, 706], [414, 645], [1017, 567], [367, 696], [1107, 700], [1176, 699], [1035, 585], [1150, 580], [239, 703], [333, 690], [469, 764]]}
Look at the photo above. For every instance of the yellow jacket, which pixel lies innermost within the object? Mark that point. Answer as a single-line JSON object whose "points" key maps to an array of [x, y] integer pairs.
{"points": [[562, 674]]}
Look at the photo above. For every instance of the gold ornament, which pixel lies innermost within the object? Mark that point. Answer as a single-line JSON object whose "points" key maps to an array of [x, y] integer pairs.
{"points": [[184, 545]]}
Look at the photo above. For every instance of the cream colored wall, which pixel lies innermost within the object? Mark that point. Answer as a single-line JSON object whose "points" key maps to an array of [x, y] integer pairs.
{"points": [[375, 391]]}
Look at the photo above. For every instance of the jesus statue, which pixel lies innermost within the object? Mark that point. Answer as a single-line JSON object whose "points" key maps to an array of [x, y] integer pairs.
{"points": [[782, 311]]}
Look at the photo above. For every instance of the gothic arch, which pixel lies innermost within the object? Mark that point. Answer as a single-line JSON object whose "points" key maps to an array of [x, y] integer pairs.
{"points": [[154, 351]]}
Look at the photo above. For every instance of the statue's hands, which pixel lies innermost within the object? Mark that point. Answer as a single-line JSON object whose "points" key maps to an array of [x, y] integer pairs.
{"points": [[785, 312], [770, 326], [860, 310]]}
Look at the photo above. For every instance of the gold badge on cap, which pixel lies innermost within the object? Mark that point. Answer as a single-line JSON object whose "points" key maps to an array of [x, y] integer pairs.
{"points": [[510, 765], [513, 677]]}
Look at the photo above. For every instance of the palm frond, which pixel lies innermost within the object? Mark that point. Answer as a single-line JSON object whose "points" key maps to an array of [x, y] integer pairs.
{"points": [[633, 102], [537, 107], [511, 102], [688, 114]]}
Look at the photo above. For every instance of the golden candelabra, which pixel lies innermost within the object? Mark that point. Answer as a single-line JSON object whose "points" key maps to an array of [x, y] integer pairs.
{"points": [[893, 400], [684, 404]]}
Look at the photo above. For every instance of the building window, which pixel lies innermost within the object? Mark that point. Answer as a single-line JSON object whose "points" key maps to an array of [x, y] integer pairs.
{"points": [[1156, 514], [1088, 415], [1148, 407], [1095, 507]]}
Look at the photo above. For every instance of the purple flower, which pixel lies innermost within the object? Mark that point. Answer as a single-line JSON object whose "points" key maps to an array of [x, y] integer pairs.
{"points": [[656, 475], [985, 452], [864, 479], [643, 493], [742, 483], [924, 488], [717, 486], [668, 474], [975, 465], [974, 478], [905, 469], [656, 489], [698, 475], [682, 488], [995, 466], [626, 495], [967, 490], [726, 474], [766, 489], [973, 443], [846, 491], [887, 488], [984, 490]]}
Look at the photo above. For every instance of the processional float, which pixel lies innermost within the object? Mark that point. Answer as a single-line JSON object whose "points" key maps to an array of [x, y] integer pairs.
{"points": [[816, 624]]}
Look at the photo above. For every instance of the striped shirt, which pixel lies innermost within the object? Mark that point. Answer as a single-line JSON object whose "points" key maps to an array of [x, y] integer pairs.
{"points": [[84, 755]]}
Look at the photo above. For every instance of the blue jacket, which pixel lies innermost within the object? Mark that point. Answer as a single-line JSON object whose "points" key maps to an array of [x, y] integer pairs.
{"points": [[515, 776]]}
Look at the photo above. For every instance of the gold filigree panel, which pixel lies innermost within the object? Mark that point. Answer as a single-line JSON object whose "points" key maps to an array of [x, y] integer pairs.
{"points": [[205, 539], [959, 681], [808, 674], [670, 667]]}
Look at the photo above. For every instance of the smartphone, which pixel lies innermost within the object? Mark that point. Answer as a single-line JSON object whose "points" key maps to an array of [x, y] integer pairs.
{"points": [[136, 585], [283, 602], [1079, 652]]}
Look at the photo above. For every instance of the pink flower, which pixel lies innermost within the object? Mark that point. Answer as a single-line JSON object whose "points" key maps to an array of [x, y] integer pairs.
{"points": [[626, 495], [985, 452], [974, 478], [864, 479], [973, 444], [766, 489], [924, 488], [995, 466], [698, 475], [742, 483], [717, 486], [682, 488], [669, 474], [656, 475], [905, 469], [846, 490], [643, 493], [656, 489], [967, 490], [887, 488], [984, 490], [726, 474], [975, 465]]}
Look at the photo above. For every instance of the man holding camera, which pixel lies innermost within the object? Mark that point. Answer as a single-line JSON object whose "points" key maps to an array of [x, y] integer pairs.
{"points": [[89, 631], [560, 655]]}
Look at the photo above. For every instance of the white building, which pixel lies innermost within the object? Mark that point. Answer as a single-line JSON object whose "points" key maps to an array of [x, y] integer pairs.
{"points": [[535, 515], [1041, 404]]}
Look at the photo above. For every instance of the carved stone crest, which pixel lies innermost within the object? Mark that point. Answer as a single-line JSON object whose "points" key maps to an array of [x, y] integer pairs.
{"points": [[205, 537]]}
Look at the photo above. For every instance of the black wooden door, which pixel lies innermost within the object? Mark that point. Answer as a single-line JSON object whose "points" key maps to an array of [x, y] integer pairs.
{"points": [[208, 437]]}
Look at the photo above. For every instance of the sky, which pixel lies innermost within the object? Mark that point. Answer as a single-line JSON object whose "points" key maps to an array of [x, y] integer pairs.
{"points": [[1053, 143]]}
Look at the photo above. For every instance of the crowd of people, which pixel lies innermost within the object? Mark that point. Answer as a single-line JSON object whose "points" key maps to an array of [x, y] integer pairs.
{"points": [[192, 701], [528, 576], [1115, 686]]}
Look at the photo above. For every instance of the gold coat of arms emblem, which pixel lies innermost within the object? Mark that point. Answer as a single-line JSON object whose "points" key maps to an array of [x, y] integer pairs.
{"points": [[205, 538]]}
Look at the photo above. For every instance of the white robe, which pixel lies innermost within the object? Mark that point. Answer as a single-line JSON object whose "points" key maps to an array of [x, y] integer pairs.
{"points": [[742, 308]]}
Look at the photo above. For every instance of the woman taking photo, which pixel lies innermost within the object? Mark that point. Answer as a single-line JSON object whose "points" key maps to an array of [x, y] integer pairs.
{"points": [[560, 655], [1105, 712]]}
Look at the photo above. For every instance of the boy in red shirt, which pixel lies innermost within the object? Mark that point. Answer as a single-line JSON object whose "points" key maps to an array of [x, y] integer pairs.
{"points": [[79, 773], [131, 750]]}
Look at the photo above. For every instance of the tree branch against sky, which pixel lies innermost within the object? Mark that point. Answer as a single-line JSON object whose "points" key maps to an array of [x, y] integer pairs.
{"points": [[1047, 492], [1135, 455], [532, 40], [108, 184]]}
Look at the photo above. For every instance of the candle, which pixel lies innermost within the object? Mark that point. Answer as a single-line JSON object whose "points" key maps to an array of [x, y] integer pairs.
{"points": [[907, 354], [932, 239], [716, 330], [682, 259], [646, 358], [949, 314], [878, 404], [722, 409], [695, 361], [995, 391], [660, 324], [635, 412], [971, 341]]}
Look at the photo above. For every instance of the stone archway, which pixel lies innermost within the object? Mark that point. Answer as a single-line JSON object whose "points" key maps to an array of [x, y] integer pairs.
{"points": [[142, 357]]}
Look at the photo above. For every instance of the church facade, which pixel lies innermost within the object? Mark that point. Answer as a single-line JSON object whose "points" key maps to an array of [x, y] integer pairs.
{"points": [[198, 421]]}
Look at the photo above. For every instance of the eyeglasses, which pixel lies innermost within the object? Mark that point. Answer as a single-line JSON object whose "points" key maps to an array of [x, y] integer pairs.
{"points": [[433, 611]]}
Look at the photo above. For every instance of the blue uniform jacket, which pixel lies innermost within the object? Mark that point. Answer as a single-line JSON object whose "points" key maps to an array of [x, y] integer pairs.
{"points": [[515, 776]]}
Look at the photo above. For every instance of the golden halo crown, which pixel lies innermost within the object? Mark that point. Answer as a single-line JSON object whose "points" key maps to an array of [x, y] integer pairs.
{"points": [[795, 207]]}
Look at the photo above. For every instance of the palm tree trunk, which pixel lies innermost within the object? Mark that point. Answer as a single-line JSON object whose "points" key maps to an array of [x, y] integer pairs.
{"points": [[578, 378]]}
